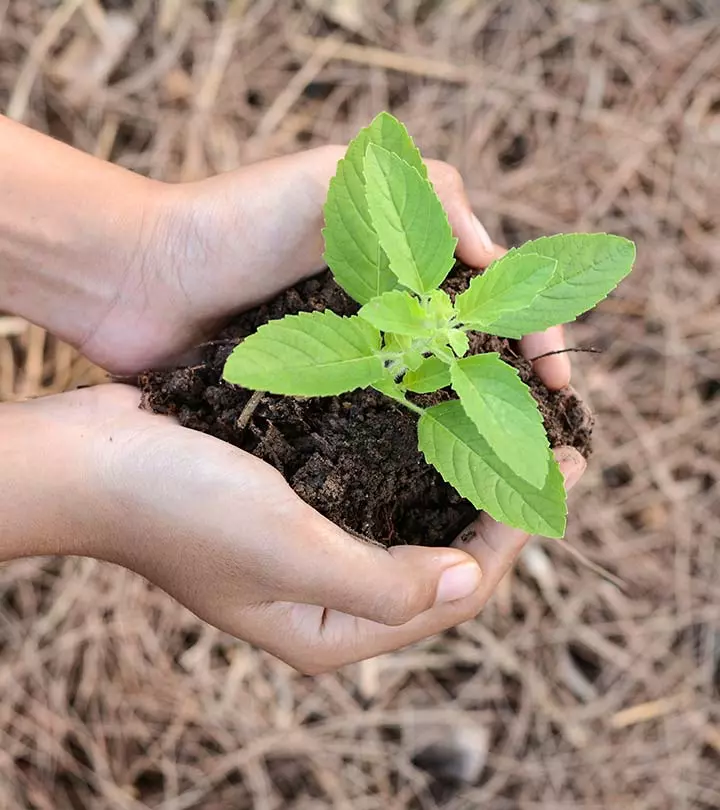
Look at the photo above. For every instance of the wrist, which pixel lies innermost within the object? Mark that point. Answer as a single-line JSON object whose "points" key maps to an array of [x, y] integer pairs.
{"points": [[240, 237], [80, 258], [45, 483], [138, 311]]}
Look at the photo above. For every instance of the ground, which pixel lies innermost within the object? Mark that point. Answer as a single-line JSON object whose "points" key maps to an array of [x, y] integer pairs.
{"points": [[592, 679]]}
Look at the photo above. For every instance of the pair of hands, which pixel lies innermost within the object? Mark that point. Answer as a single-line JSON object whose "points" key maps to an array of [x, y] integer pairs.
{"points": [[215, 527]]}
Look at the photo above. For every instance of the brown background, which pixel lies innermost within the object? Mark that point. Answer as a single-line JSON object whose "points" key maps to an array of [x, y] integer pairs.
{"points": [[576, 688]]}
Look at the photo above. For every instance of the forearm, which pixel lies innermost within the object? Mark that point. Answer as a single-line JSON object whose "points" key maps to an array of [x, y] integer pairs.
{"points": [[43, 480], [71, 228]]}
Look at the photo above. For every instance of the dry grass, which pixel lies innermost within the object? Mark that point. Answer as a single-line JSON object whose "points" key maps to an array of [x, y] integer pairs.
{"points": [[592, 694]]}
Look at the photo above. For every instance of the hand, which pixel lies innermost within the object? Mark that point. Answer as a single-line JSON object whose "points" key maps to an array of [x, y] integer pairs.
{"points": [[224, 534], [218, 246], [134, 272]]}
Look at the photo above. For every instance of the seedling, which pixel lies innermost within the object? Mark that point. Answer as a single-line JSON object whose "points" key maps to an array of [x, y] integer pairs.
{"points": [[390, 247]]}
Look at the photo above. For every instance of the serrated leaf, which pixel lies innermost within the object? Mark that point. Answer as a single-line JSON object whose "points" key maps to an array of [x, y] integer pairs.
{"points": [[352, 249], [385, 130], [309, 354], [450, 442], [402, 344], [509, 284], [439, 347], [409, 220], [413, 359], [590, 265], [504, 412], [397, 311], [431, 375], [391, 389], [440, 306], [459, 342]]}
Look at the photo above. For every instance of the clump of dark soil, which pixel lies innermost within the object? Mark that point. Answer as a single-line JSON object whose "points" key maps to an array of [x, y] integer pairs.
{"points": [[354, 458]]}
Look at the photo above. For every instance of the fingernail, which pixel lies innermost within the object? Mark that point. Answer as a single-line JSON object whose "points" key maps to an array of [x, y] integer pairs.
{"points": [[458, 582], [483, 235], [572, 466]]}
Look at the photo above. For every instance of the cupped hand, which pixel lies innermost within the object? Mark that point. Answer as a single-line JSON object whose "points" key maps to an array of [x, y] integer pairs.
{"points": [[223, 533], [215, 247]]}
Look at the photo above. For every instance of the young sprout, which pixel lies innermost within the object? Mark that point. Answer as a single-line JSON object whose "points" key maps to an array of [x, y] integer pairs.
{"points": [[390, 247]]}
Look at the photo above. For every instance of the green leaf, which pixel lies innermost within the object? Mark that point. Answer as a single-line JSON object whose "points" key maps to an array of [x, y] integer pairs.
{"points": [[397, 311], [409, 220], [439, 347], [504, 412], [431, 375], [385, 130], [307, 355], [459, 342], [509, 284], [391, 389], [451, 443], [590, 265], [352, 249], [439, 306], [402, 344]]}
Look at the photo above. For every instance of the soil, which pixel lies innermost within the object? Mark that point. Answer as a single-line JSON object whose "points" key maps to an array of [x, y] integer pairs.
{"points": [[354, 458]]}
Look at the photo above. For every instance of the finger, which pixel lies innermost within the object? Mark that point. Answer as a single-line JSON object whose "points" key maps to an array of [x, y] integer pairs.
{"points": [[554, 370], [276, 547], [315, 640], [321, 565], [474, 245]]}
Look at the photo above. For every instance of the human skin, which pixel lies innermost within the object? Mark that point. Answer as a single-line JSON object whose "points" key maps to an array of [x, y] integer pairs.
{"points": [[134, 273]]}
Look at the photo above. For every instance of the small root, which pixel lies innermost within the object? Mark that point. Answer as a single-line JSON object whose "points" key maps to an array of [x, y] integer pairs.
{"points": [[589, 350], [249, 409]]}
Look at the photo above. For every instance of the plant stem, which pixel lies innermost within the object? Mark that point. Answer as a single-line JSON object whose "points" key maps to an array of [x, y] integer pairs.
{"points": [[411, 406]]}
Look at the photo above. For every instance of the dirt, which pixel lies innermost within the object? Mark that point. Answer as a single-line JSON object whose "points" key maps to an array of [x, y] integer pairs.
{"points": [[354, 458]]}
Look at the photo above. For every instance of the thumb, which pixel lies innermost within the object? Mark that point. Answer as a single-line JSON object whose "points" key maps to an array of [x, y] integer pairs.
{"points": [[331, 569]]}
